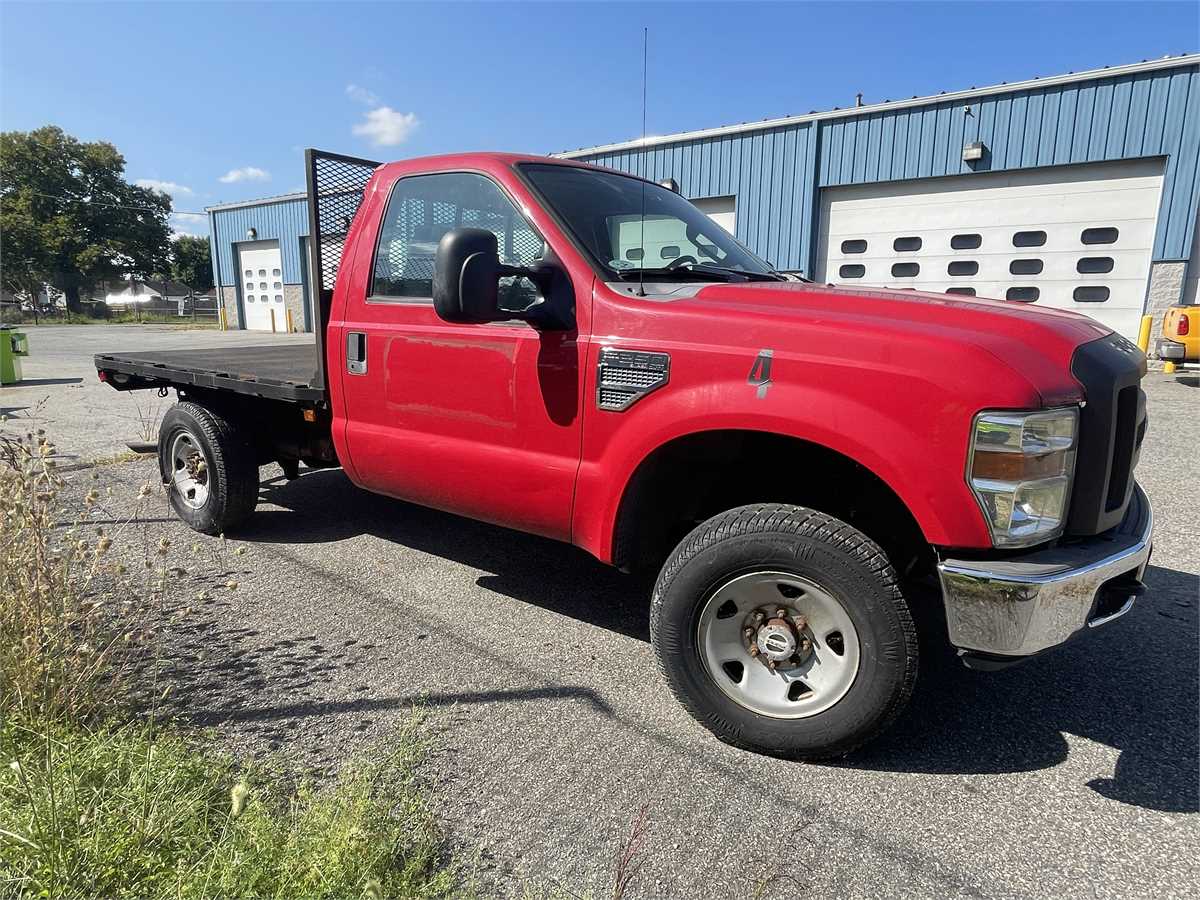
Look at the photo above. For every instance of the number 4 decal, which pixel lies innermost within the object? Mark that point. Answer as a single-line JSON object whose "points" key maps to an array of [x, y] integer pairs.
{"points": [[760, 372]]}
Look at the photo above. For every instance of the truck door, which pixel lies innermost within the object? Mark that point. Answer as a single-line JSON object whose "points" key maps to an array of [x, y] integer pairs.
{"points": [[481, 420]]}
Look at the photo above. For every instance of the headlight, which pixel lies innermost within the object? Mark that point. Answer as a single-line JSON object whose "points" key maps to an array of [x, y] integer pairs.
{"points": [[1020, 470]]}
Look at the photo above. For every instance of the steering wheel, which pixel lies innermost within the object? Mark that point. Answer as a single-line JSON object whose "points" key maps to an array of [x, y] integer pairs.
{"points": [[681, 260]]}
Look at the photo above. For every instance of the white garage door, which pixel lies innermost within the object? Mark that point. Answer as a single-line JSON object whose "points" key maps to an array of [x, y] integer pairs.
{"points": [[1076, 237], [260, 270], [721, 210]]}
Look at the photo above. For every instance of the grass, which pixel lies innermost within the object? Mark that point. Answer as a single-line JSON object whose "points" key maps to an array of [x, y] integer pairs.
{"points": [[97, 797], [138, 811]]}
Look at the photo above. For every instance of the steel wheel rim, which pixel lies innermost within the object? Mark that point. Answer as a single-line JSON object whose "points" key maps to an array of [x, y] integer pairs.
{"points": [[795, 689], [189, 471]]}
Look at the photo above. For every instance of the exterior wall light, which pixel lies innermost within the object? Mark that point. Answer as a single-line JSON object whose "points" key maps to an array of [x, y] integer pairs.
{"points": [[670, 184], [251, 234], [973, 151]]}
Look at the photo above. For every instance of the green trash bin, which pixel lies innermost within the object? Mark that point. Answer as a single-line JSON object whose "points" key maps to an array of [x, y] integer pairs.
{"points": [[13, 345]]}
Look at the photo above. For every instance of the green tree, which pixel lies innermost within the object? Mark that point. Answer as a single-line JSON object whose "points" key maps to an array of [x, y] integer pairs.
{"points": [[68, 216], [191, 263]]}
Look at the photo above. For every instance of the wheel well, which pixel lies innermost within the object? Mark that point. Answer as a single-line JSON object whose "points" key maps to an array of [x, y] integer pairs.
{"points": [[694, 477]]}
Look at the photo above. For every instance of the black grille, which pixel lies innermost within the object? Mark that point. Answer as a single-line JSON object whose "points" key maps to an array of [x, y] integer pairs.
{"points": [[1112, 425]]}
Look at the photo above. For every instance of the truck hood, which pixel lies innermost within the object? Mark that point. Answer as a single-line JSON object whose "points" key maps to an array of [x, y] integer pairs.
{"points": [[1037, 342]]}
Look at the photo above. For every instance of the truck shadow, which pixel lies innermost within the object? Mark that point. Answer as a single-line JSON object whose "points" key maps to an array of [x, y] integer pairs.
{"points": [[1132, 687]]}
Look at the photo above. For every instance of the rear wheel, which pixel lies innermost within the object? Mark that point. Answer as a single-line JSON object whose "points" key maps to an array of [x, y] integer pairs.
{"points": [[210, 470], [781, 630]]}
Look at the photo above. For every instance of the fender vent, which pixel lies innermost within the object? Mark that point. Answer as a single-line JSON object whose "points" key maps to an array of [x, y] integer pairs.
{"points": [[625, 376]]}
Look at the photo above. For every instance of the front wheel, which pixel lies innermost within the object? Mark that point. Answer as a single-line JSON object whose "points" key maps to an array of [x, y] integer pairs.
{"points": [[210, 470], [781, 630]]}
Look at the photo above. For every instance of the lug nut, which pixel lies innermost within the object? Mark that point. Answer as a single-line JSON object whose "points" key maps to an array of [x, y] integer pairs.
{"points": [[748, 632], [781, 613], [759, 617], [754, 649]]}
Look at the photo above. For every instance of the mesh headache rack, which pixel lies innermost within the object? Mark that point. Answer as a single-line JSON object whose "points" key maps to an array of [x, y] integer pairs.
{"points": [[335, 191]]}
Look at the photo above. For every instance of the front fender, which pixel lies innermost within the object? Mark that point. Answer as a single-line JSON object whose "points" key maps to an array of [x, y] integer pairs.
{"points": [[920, 459]]}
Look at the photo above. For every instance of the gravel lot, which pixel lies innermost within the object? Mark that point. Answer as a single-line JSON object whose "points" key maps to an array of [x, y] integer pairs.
{"points": [[1074, 775]]}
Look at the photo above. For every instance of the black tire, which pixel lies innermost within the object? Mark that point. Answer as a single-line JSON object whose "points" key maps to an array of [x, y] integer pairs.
{"points": [[230, 468], [847, 565]]}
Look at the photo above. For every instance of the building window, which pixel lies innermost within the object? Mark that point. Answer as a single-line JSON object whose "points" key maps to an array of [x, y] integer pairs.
{"points": [[249, 298], [856, 246], [1091, 294], [249, 274], [422, 208], [965, 291], [279, 298], [1024, 294], [635, 253], [905, 270], [1094, 265], [1099, 236], [262, 285], [852, 271], [1025, 267], [963, 267], [1029, 239], [906, 244], [277, 285], [965, 242], [262, 272], [275, 272]]}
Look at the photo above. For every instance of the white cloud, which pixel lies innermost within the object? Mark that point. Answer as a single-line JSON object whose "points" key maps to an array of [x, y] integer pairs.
{"points": [[190, 224], [165, 187], [385, 127], [247, 173], [360, 94]]}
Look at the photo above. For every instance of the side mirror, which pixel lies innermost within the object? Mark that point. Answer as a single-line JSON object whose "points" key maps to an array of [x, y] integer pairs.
{"points": [[466, 275]]}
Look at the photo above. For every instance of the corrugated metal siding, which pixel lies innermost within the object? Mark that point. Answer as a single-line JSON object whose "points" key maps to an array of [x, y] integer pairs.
{"points": [[769, 172], [775, 174], [285, 221]]}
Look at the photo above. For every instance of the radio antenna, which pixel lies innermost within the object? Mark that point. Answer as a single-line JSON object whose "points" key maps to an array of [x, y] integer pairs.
{"points": [[642, 222]]}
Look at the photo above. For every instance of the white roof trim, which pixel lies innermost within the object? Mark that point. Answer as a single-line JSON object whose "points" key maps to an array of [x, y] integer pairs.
{"points": [[1171, 62], [262, 201]]}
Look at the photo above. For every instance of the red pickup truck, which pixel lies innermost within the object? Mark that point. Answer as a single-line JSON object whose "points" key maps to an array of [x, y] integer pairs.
{"points": [[579, 353]]}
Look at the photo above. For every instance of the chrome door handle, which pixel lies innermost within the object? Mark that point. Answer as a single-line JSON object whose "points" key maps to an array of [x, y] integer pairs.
{"points": [[356, 353]]}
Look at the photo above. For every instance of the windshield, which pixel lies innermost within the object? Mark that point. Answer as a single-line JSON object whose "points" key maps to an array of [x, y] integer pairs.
{"points": [[604, 212]]}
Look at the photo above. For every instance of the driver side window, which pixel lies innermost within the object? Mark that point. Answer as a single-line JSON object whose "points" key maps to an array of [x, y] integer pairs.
{"points": [[422, 208]]}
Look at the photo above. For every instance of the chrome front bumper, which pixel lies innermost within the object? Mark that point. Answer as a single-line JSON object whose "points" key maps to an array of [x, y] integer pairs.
{"points": [[1021, 606]]}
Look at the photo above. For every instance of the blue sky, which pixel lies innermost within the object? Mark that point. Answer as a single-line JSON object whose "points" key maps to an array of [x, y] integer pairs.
{"points": [[216, 101]]}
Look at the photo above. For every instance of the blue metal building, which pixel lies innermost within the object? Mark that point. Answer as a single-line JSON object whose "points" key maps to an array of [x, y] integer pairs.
{"points": [[1075, 191], [970, 191]]}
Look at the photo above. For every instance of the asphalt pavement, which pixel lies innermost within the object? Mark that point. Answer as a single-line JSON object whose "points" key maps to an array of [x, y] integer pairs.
{"points": [[1074, 775]]}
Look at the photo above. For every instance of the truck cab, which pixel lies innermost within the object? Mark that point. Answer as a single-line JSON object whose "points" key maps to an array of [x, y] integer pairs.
{"points": [[582, 354]]}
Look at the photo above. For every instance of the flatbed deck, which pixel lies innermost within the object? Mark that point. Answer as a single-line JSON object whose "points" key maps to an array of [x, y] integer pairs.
{"points": [[280, 372]]}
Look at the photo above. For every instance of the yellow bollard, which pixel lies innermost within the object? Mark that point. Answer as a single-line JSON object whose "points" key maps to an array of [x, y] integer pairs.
{"points": [[272, 321], [1144, 333], [221, 318], [289, 322]]}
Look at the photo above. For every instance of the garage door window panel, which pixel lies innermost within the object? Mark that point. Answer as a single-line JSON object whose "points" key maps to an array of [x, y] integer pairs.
{"points": [[1023, 294], [1099, 236], [852, 271], [1094, 265], [963, 267], [966, 242], [423, 208], [1029, 239], [1025, 267]]}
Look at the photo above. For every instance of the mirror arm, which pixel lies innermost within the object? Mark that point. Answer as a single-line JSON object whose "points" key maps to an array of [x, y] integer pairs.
{"points": [[504, 271]]}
